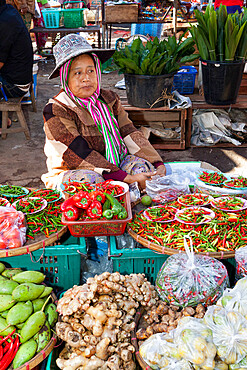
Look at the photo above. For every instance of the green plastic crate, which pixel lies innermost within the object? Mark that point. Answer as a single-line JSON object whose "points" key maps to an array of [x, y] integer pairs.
{"points": [[137, 260], [60, 263], [73, 18]]}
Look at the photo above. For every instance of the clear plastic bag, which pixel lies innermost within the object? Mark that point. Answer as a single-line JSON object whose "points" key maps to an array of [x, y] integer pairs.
{"points": [[12, 228], [235, 299], [163, 189], [186, 279], [229, 330], [194, 341], [241, 262], [159, 352]]}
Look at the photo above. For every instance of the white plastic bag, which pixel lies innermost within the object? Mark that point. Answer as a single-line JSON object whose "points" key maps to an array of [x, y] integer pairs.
{"points": [[229, 330], [187, 279], [235, 299], [159, 352], [194, 341], [12, 228], [241, 262]]}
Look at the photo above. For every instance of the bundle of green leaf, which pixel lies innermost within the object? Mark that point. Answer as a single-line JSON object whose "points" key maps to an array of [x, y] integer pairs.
{"points": [[220, 36], [156, 57]]}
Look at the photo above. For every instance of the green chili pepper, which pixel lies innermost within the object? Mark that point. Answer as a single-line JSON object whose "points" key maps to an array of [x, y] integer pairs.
{"points": [[116, 206], [108, 214]]}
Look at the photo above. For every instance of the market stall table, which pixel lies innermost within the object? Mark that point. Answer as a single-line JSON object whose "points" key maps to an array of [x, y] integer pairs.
{"points": [[64, 31]]}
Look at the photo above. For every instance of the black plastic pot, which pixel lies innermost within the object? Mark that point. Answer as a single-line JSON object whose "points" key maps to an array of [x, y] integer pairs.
{"points": [[221, 81], [142, 91]]}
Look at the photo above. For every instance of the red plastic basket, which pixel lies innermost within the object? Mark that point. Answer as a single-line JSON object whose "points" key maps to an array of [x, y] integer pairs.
{"points": [[100, 227]]}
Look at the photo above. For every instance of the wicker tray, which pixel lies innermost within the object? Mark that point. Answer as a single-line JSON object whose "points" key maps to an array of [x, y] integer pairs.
{"points": [[40, 242], [165, 250], [134, 341]]}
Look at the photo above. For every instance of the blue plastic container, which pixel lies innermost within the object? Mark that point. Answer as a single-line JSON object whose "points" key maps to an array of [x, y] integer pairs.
{"points": [[151, 29], [184, 80]]}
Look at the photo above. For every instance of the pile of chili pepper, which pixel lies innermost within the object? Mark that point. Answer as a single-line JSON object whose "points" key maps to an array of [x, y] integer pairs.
{"points": [[47, 222], [239, 182], [9, 346], [10, 191], [72, 187], [212, 178], [228, 203], [92, 206], [226, 232], [49, 195], [195, 215], [110, 188], [30, 205], [160, 213], [194, 199], [4, 202]]}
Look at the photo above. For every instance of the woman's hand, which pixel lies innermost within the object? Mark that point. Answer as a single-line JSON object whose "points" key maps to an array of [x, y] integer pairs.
{"points": [[140, 178], [161, 170]]}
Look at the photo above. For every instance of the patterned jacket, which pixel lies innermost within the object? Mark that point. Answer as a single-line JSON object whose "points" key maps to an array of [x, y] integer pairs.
{"points": [[73, 140]]}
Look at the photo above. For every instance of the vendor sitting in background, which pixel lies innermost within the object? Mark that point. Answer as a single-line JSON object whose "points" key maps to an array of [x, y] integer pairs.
{"points": [[16, 54], [89, 136]]}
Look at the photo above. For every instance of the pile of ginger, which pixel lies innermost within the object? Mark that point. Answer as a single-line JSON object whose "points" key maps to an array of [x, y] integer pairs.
{"points": [[97, 319]]}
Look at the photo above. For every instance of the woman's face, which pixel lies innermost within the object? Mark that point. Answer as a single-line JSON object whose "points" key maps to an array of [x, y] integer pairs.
{"points": [[82, 76]]}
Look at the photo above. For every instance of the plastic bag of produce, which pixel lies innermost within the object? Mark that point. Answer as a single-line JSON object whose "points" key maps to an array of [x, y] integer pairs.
{"points": [[241, 365], [186, 279], [229, 330], [194, 341], [241, 262], [159, 352], [235, 299], [12, 228], [163, 189]]}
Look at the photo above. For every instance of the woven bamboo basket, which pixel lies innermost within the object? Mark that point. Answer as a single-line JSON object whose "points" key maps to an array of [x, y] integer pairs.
{"points": [[164, 250], [134, 341], [40, 242]]}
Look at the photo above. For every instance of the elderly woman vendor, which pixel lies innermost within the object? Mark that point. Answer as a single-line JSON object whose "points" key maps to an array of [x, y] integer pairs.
{"points": [[89, 136]]}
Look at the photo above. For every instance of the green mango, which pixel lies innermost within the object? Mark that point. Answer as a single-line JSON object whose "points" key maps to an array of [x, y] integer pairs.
{"points": [[33, 324], [4, 314], [2, 278], [51, 313], [25, 353], [4, 328], [225, 300], [7, 287], [6, 302], [46, 292], [29, 277], [38, 304], [9, 273], [19, 313], [44, 336], [2, 267], [27, 292]]}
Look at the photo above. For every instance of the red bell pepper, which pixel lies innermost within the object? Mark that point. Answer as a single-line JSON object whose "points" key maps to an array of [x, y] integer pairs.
{"points": [[95, 209], [72, 213], [67, 203], [82, 199], [97, 195]]}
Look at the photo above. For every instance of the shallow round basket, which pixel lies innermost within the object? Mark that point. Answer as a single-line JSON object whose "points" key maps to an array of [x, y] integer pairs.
{"points": [[164, 250], [134, 341]]}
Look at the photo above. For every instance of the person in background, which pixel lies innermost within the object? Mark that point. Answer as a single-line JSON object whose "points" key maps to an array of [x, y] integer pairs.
{"points": [[75, 4], [41, 37], [89, 136], [232, 6], [16, 54], [26, 8]]}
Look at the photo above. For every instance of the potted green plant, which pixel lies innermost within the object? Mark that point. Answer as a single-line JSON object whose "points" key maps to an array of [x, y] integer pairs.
{"points": [[149, 69], [221, 40]]}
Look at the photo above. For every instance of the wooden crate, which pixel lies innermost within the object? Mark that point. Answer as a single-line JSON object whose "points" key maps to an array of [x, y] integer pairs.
{"points": [[170, 118], [121, 13]]}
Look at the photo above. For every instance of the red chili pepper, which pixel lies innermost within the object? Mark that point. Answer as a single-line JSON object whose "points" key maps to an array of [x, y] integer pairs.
{"points": [[10, 355], [82, 199], [97, 195], [72, 213], [67, 203], [95, 209]]}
